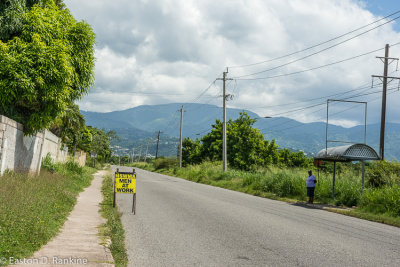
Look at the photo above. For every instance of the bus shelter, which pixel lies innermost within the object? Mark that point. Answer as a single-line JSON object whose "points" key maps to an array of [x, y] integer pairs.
{"points": [[347, 153]]}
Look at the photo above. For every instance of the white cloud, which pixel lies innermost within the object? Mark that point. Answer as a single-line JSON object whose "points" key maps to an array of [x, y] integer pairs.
{"points": [[177, 47]]}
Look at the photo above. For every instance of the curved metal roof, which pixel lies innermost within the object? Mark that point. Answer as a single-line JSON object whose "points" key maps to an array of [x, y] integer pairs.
{"points": [[353, 152]]}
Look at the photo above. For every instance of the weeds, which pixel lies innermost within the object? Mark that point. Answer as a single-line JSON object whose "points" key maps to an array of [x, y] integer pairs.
{"points": [[33, 208], [113, 228]]}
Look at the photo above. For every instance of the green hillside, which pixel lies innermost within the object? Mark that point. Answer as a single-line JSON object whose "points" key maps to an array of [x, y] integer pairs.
{"points": [[139, 125]]}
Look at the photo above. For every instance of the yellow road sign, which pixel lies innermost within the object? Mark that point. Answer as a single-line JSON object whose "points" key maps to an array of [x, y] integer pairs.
{"points": [[125, 182]]}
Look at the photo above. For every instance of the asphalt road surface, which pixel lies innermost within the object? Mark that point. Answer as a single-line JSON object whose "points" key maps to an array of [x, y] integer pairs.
{"points": [[181, 223]]}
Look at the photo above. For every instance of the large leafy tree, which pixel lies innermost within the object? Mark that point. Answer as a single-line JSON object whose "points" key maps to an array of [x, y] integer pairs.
{"points": [[100, 143], [191, 151], [12, 15], [45, 65], [246, 147], [245, 143], [71, 128]]}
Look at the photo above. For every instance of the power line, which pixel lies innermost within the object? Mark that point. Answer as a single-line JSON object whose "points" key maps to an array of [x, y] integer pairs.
{"points": [[315, 53], [313, 46], [361, 87], [317, 98], [315, 68], [320, 104], [391, 89], [331, 114]]}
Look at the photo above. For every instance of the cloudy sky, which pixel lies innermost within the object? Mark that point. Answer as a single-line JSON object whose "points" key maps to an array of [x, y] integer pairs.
{"points": [[169, 51]]}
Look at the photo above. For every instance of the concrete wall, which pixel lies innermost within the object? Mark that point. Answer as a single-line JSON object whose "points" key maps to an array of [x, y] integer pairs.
{"points": [[25, 153], [80, 158]]}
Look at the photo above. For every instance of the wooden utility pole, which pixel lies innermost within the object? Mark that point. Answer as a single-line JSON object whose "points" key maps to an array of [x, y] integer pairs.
{"points": [[147, 150], [140, 153], [180, 140], [383, 112], [158, 141], [224, 97], [384, 80]]}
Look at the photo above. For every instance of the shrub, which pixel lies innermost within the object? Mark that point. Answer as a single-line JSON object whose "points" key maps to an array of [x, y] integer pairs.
{"points": [[164, 163], [381, 173], [382, 200], [47, 163]]}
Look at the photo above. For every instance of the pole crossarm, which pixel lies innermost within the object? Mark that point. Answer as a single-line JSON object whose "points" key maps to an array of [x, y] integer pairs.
{"points": [[387, 77]]}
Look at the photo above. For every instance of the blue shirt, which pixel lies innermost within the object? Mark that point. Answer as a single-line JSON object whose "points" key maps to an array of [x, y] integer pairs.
{"points": [[310, 181]]}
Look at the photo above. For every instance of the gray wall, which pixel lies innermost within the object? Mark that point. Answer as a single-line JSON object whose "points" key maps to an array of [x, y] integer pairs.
{"points": [[25, 153]]}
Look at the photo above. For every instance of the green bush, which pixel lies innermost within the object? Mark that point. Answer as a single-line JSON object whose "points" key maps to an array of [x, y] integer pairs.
{"points": [[164, 163], [381, 173], [382, 200], [47, 163]]}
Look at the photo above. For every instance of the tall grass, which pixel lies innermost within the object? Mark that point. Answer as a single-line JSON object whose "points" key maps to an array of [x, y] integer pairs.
{"points": [[33, 208], [113, 228]]}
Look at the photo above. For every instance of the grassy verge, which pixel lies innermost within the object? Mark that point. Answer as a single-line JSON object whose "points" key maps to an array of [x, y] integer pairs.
{"points": [[359, 213], [380, 204], [113, 227], [33, 208]]}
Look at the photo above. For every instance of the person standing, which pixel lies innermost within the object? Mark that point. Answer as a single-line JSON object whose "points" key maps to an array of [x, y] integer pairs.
{"points": [[310, 183]]}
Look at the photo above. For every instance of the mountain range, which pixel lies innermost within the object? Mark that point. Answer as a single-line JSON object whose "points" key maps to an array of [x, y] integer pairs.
{"points": [[138, 124]]}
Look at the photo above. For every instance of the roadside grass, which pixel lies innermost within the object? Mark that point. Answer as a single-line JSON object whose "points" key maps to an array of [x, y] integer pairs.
{"points": [[113, 228], [34, 207], [380, 204]]}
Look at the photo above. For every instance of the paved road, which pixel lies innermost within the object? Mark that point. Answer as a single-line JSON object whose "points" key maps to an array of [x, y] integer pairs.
{"points": [[180, 223]]}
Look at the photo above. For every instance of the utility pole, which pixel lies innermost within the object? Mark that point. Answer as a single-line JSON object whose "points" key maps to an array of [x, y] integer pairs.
{"points": [[140, 153], [180, 139], [147, 150], [224, 97], [384, 80], [158, 141]]}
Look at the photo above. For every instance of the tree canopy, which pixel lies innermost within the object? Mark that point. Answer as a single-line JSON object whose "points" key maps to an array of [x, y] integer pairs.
{"points": [[246, 147], [46, 61]]}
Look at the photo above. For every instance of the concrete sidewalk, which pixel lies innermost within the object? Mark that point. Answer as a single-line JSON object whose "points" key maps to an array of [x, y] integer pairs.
{"points": [[78, 243]]}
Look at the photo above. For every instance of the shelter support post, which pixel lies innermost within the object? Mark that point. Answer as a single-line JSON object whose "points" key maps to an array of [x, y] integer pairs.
{"points": [[363, 176], [333, 181]]}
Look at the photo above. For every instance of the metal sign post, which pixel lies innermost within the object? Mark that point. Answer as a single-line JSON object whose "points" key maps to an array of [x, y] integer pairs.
{"points": [[125, 182], [114, 188]]}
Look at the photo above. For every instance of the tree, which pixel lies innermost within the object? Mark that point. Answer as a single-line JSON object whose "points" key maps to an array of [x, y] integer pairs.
{"points": [[212, 143], [191, 151], [293, 159], [46, 66], [100, 143], [246, 147], [12, 15], [71, 128], [245, 143]]}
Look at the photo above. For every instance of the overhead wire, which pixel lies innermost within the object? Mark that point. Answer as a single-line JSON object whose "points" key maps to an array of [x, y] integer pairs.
{"points": [[390, 89], [332, 114], [315, 53], [322, 103], [313, 46], [311, 69]]}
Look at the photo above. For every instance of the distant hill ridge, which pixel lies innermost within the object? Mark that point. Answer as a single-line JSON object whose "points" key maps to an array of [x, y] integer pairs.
{"points": [[144, 121]]}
